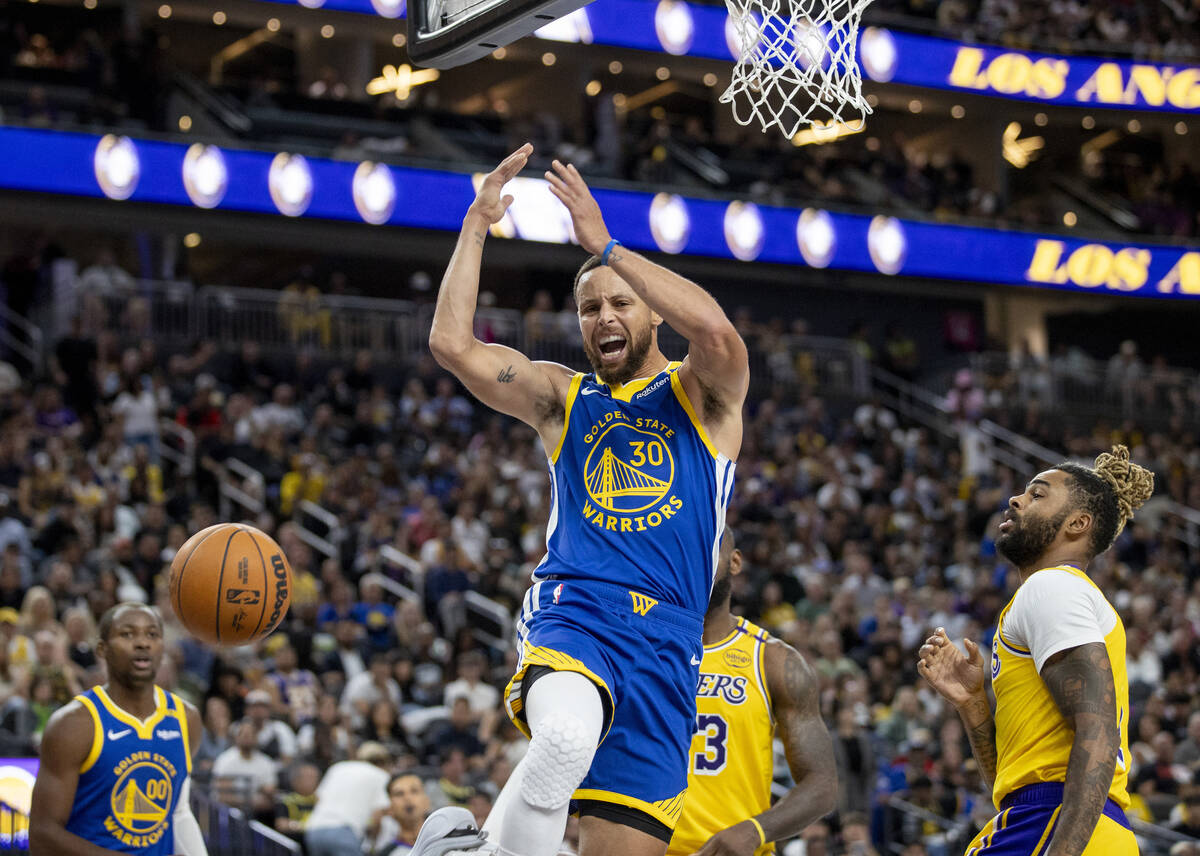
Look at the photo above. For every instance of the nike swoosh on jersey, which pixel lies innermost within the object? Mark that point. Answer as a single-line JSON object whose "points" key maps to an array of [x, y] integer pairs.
{"points": [[695, 660], [588, 391], [117, 735]]}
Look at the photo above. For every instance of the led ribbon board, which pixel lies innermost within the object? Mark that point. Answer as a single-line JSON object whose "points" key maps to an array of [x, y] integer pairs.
{"points": [[201, 176], [676, 27]]}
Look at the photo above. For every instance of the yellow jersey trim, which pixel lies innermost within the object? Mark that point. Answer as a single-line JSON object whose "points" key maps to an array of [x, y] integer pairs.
{"points": [[97, 734], [681, 394], [144, 729], [181, 715], [560, 662], [572, 392], [1046, 832], [626, 391], [666, 812], [733, 635], [760, 673]]}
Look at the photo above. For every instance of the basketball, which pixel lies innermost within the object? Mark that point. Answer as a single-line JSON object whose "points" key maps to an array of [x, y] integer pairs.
{"points": [[230, 584]]}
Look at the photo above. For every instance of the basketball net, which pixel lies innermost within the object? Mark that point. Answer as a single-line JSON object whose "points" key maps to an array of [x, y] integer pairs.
{"points": [[796, 64]]}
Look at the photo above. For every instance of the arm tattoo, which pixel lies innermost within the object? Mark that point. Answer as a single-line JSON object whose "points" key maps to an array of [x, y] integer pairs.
{"points": [[615, 257], [480, 237], [795, 702], [1081, 682], [506, 375], [981, 731]]}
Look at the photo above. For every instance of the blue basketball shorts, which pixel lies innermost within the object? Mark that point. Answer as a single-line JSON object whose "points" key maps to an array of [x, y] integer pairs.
{"points": [[1029, 817], [644, 656]]}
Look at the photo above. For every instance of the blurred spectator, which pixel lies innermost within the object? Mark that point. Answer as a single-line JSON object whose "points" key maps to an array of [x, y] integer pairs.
{"points": [[293, 807], [351, 800], [275, 738], [408, 806], [244, 776]]}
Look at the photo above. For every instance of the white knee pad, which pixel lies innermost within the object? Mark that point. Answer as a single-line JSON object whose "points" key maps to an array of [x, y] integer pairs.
{"points": [[559, 756]]}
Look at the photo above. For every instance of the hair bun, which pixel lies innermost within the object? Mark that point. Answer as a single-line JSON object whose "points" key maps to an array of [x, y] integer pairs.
{"points": [[1133, 484]]}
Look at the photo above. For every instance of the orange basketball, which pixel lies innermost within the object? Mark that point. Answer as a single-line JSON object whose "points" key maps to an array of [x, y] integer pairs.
{"points": [[230, 584]]}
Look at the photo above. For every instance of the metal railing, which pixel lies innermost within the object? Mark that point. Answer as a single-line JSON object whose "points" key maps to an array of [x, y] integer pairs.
{"points": [[183, 454], [1081, 388], [229, 832], [22, 337]]}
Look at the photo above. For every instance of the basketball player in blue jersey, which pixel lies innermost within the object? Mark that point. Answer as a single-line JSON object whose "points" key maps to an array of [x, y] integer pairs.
{"points": [[641, 454], [1056, 751], [115, 761]]}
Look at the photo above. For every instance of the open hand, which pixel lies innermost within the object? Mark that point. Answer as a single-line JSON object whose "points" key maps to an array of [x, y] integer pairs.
{"points": [[572, 191], [489, 204], [956, 676]]}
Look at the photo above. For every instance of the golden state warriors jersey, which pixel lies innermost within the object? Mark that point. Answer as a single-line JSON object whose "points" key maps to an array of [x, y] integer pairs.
{"points": [[731, 759], [1033, 740], [638, 492], [129, 783]]}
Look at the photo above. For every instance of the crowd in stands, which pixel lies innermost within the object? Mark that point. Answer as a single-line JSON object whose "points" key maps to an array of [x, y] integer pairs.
{"points": [[1168, 31], [886, 172], [860, 532]]}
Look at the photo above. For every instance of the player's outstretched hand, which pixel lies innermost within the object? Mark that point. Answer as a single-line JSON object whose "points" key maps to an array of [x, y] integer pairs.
{"points": [[956, 676], [489, 204], [738, 840], [568, 185]]}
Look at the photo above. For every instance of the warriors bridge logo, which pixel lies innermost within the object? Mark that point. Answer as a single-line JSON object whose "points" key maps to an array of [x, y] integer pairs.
{"points": [[629, 471], [141, 799]]}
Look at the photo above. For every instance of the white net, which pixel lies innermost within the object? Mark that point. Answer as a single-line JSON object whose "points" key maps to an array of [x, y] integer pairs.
{"points": [[796, 63]]}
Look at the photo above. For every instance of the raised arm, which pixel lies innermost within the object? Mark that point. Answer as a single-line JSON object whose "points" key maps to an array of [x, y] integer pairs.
{"points": [[502, 378], [958, 678], [717, 356], [66, 743], [1080, 680]]}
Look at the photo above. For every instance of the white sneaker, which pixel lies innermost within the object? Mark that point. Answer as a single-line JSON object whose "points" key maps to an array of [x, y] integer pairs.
{"points": [[449, 831]]}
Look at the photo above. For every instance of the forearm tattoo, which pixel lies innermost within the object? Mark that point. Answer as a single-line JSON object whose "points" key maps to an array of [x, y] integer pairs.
{"points": [[1081, 683]]}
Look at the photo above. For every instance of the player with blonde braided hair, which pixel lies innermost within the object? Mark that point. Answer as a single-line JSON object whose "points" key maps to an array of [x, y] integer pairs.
{"points": [[1056, 750]]}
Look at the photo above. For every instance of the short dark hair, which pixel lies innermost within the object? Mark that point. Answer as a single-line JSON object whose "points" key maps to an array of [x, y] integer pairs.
{"points": [[110, 616], [1094, 495], [587, 267], [398, 776]]}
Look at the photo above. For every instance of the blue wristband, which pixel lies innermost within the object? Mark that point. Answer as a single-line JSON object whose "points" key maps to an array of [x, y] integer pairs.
{"points": [[608, 250]]}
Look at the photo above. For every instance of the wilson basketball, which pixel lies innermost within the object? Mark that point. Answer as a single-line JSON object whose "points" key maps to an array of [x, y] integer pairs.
{"points": [[230, 584]]}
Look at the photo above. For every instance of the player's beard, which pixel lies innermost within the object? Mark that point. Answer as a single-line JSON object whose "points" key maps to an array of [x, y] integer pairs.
{"points": [[638, 347], [720, 593], [1029, 538]]}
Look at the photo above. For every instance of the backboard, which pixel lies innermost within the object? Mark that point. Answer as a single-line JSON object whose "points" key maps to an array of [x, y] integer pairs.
{"points": [[449, 33]]}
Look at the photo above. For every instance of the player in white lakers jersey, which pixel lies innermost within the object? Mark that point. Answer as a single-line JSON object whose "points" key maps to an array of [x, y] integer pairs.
{"points": [[641, 454], [116, 761], [752, 688], [1056, 751]]}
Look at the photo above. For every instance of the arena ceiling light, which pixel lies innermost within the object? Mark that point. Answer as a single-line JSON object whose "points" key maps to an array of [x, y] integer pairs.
{"points": [[887, 244], [827, 132], [575, 28], [1020, 152], [816, 237], [290, 183], [877, 50], [401, 80], [117, 166], [669, 222], [374, 192], [205, 176], [744, 231], [674, 26], [388, 8]]}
